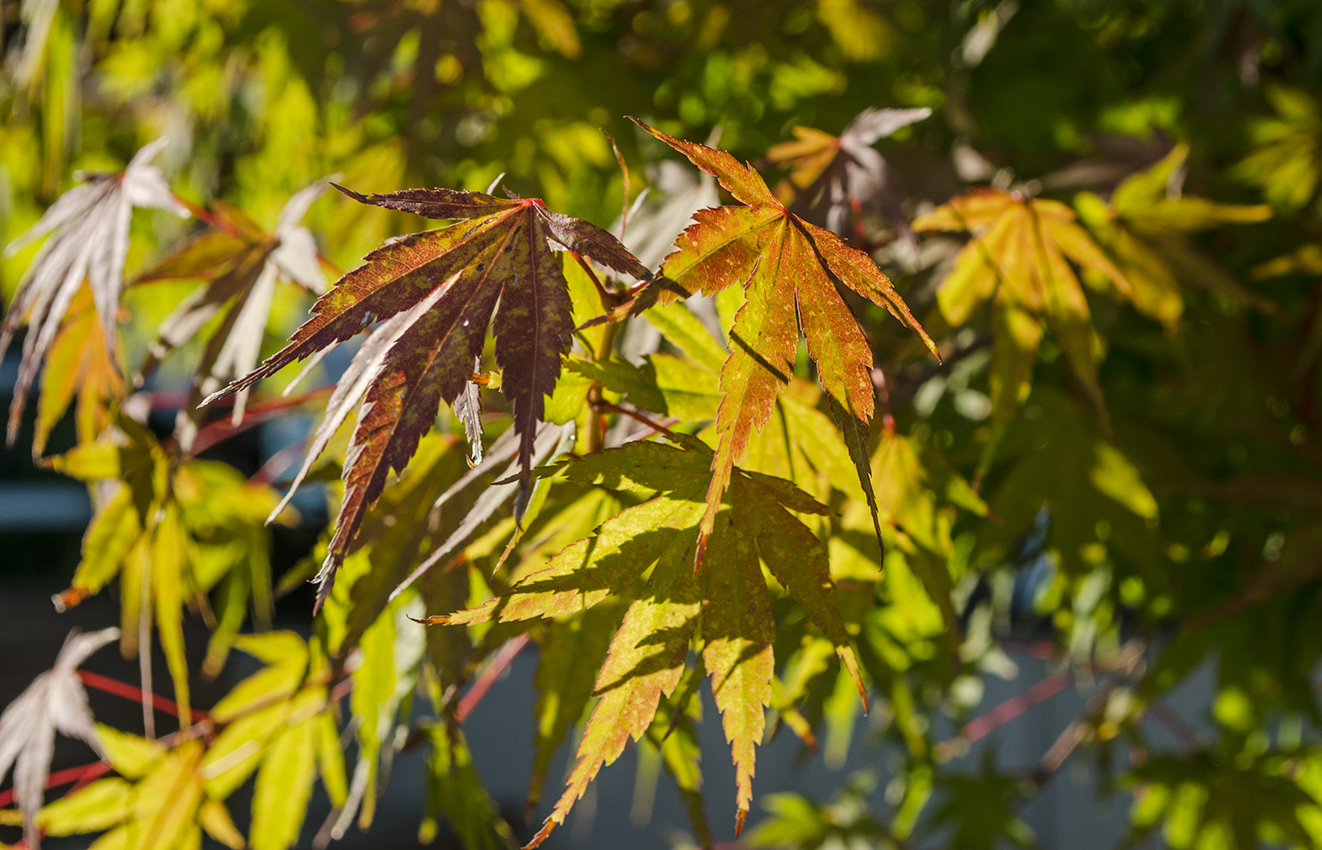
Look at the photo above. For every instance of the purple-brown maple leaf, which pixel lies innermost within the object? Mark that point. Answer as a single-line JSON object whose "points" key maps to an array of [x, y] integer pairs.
{"points": [[835, 179], [496, 251]]}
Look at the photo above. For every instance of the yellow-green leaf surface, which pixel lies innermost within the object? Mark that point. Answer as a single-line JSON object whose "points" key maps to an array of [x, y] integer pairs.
{"points": [[1020, 258], [284, 781], [648, 651], [131, 757], [1142, 229], [95, 807]]}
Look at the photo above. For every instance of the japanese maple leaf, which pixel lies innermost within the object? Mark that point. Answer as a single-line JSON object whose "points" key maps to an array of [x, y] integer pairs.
{"points": [[755, 525], [1144, 226], [1286, 159], [1020, 260], [241, 263], [496, 251], [78, 366], [54, 702], [90, 227], [835, 178], [789, 270]]}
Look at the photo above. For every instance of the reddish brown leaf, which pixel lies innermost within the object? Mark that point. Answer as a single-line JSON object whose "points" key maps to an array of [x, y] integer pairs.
{"points": [[833, 178], [499, 251]]}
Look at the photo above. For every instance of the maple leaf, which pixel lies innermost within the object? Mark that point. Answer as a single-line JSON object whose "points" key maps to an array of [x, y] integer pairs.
{"points": [[159, 801], [496, 251], [1286, 160], [89, 227], [1019, 260], [169, 531], [241, 264], [755, 525], [834, 179], [1143, 228], [54, 702], [790, 270], [78, 365]]}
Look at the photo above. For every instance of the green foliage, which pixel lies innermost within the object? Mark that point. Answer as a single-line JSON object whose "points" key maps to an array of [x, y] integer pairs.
{"points": [[720, 470]]}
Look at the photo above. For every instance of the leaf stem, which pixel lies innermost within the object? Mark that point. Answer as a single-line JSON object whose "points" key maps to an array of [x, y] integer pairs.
{"points": [[504, 658], [105, 684], [636, 416]]}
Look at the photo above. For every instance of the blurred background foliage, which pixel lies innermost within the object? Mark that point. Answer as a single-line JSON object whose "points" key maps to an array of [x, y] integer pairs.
{"points": [[1136, 497]]}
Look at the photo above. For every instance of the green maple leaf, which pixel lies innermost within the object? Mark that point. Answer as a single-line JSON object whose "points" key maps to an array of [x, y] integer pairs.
{"points": [[1286, 158], [755, 525], [1143, 228], [790, 271], [448, 281]]}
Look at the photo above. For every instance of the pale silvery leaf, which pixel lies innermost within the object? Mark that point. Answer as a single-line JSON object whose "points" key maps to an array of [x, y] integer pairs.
{"points": [[54, 702], [88, 229], [467, 408], [240, 289]]}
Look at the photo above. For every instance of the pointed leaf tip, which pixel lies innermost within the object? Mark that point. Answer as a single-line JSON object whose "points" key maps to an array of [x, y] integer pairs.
{"points": [[362, 199]]}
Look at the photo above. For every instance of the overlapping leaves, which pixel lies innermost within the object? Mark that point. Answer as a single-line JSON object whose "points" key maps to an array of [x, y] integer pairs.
{"points": [[55, 702], [789, 270], [1143, 228], [1020, 261], [89, 236], [756, 525], [241, 264], [275, 723], [171, 534], [496, 251], [834, 180]]}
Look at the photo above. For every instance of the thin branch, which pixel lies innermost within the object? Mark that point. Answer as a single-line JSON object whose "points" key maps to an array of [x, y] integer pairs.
{"points": [[499, 664], [637, 416], [105, 684], [77, 775], [984, 724]]}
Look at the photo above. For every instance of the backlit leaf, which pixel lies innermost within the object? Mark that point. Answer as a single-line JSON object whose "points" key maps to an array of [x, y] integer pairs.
{"points": [[1020, 259], [497, 251], [241, 265], [90, 227], [789, 270], [648, 651], [54, 702]]}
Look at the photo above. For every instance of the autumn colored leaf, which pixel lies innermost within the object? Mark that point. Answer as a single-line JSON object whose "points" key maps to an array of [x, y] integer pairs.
{"points": [[497, 251], [89, 227], [1143, 228], [78, 367], [241, 264], [833, 180], [1020, 261], [789, 270], [54, 702], [756, 525]]}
